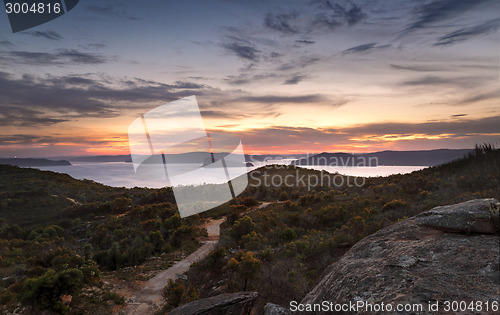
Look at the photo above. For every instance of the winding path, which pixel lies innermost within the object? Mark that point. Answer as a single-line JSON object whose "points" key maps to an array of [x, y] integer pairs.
{"points": [[150, 298]]}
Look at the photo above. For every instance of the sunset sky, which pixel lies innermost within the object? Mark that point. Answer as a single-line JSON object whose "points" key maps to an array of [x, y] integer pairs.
{"points": [[285, 76]]}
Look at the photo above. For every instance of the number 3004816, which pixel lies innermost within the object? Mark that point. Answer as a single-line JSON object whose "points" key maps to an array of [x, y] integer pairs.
{"points": [[37, 8]]}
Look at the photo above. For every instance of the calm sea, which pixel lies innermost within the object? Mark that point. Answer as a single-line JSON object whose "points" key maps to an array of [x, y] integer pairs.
{"points": [[119, 174]]}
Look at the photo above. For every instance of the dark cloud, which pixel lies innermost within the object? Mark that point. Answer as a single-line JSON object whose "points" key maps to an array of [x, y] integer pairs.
{"points": [[59, 58], [31, 100], [245, 78], [30, 140], [17, 139], [327, 21], [26, 117], [458, 127], [281, 22], [312, 98], [305, 41], [354, 15], [6, 43], [469, 32], [222, 114], [285, 136], [295, 79], [188, 85], [461, 82], [78, 57], [301, 63], [304, 137], [334, 15], [492, 95], [241, 48], [363, 48], [52, 35], [438, 11], [93, 46], [458, 115], [415, 68], [238, 114], [111, 11], [360, 48]]}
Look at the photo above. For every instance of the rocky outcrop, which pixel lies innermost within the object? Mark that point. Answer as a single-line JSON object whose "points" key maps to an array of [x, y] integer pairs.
{"points": [[228, 303], [274, 309], [474, 216], [416, 262]]}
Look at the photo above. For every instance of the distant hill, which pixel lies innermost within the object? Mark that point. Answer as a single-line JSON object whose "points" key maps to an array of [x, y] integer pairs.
{"points": [[190, 157], [395, 158], [267, 157], [27, 162], [31, 196], [100, 158], [387, 158]]}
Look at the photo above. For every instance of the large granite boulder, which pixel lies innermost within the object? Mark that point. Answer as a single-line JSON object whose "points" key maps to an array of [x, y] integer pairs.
{"points": [[417, 264], [474, 216], [223, 304]]}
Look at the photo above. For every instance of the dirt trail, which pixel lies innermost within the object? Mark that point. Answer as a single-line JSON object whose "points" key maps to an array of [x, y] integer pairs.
{"points": [[150, 298]]}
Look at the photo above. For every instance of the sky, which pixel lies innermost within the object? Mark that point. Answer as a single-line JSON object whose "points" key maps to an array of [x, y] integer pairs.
{"points": [[285, 76]]}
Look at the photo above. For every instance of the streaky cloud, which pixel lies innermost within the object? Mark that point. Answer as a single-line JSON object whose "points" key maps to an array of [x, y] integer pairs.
{"points": [[462, 82], [438, 11], [492, 95], [58, 58], [365, 48], [110, 11], [305, 41], [415, 68], [294, 80], [468, 32], [333, 15], [281, 22], [242, 48], [51, 35]]}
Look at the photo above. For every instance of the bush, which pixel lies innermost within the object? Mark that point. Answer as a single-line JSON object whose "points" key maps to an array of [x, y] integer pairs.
{"points": [[216, 258], [249, 201], [176, 293], [288, 235], [394, 204], [242, 227]]}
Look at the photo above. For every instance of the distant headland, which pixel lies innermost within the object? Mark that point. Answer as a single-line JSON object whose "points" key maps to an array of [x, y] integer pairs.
{"points": [[27, 162]]}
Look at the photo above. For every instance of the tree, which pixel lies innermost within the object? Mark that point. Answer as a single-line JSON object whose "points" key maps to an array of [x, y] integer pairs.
{"points": [[177, 294], [70, 281], [173, 223], [246, 265], [181, 233], [242, 227], [121, 204], [157, 241], [216, 258], [45, 292], [249, 267], [88, 251], [174, 292]]}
